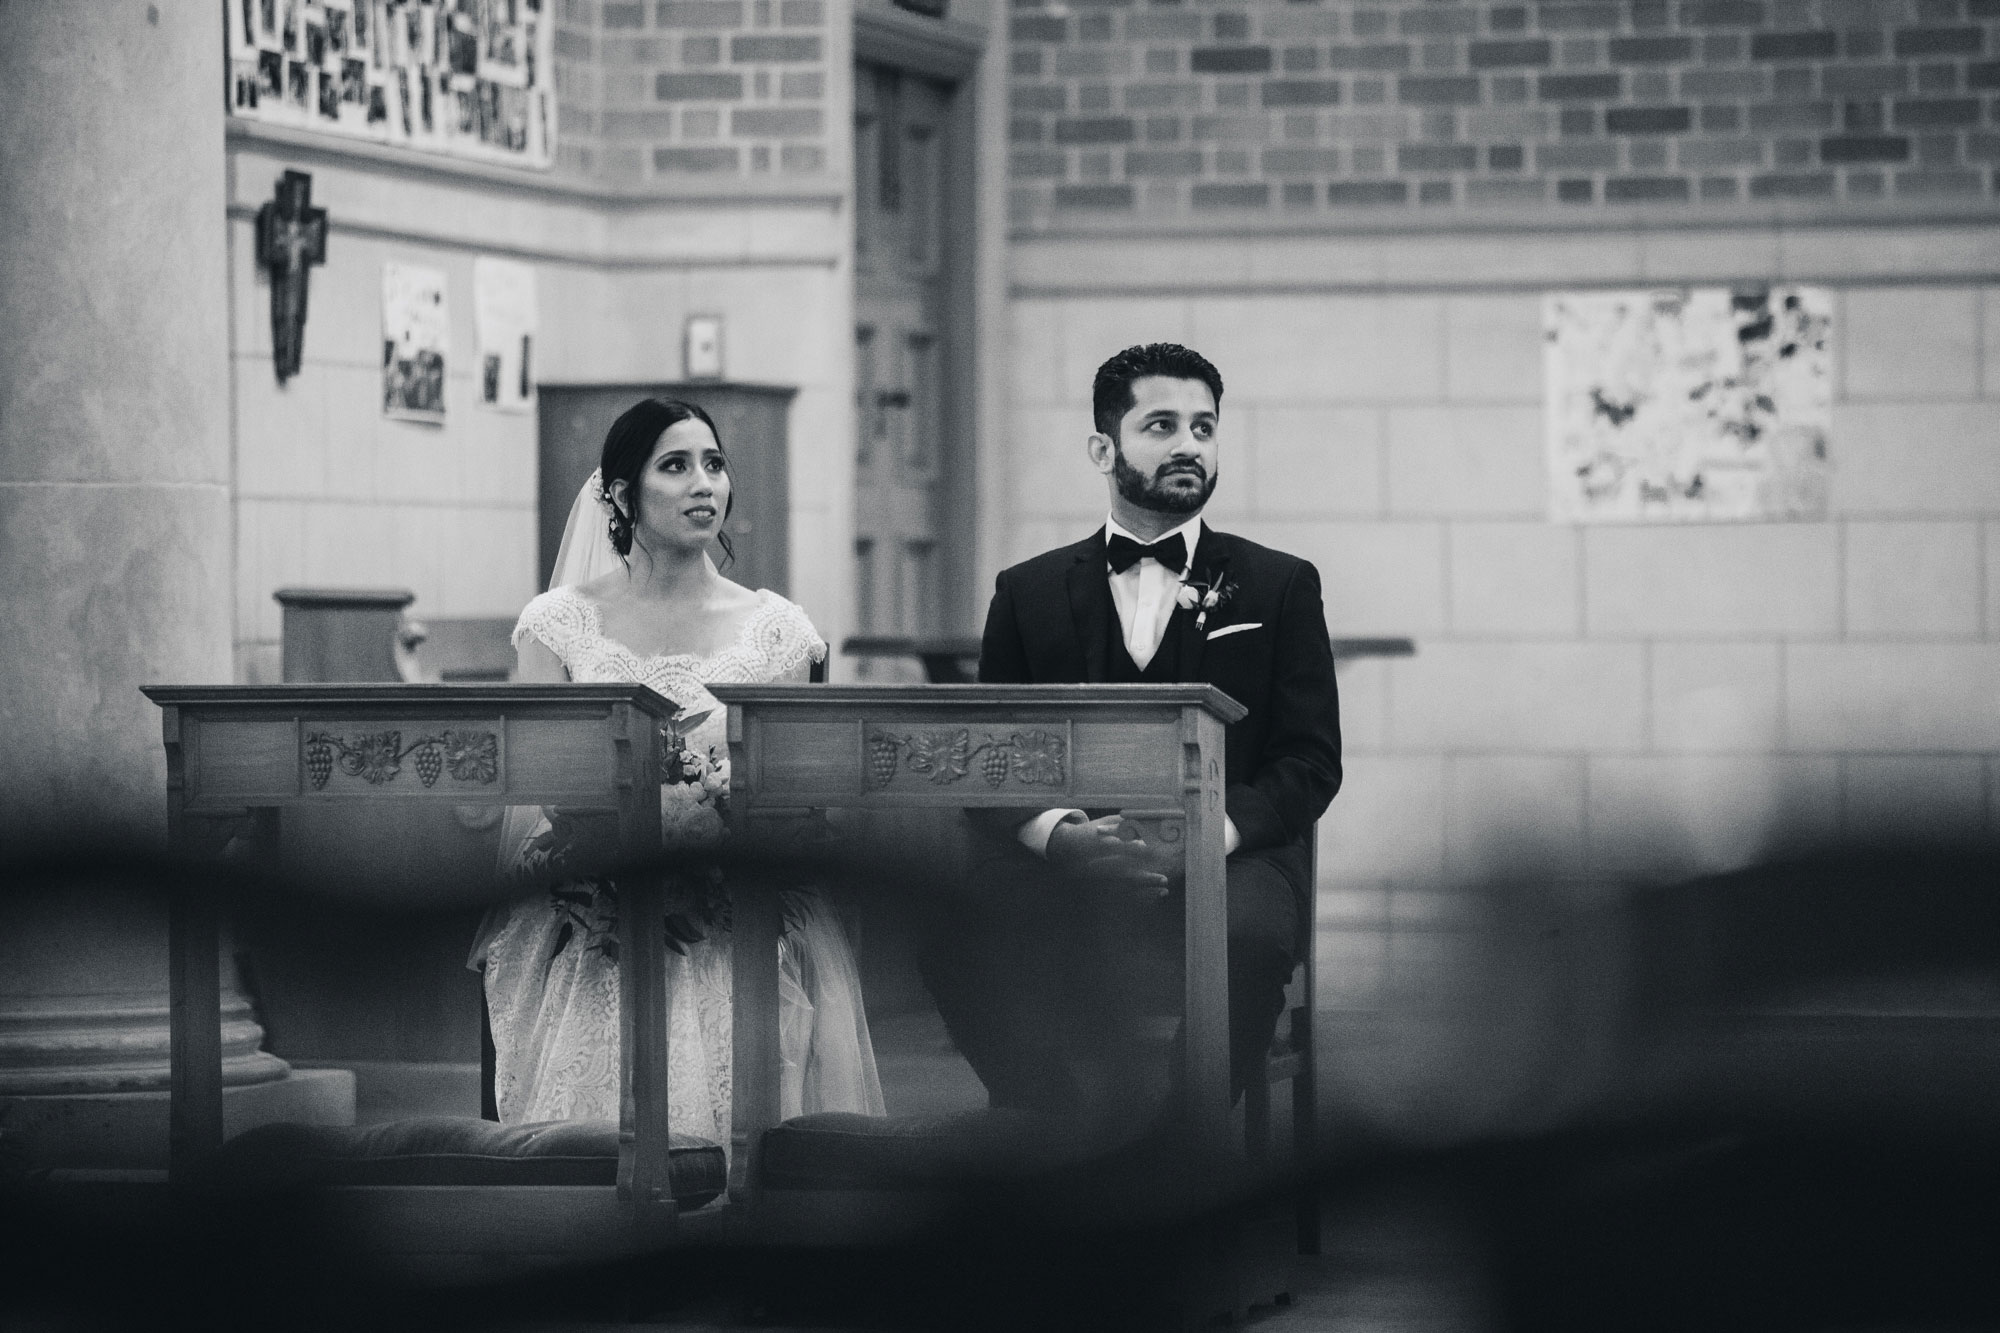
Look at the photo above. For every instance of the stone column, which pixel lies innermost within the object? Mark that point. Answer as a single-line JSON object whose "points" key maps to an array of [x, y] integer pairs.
{"points": [[84, 1035], [114, 542], [114, 406]]}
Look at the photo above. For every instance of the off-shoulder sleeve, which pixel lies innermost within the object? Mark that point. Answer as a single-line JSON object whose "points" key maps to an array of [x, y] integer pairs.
{"points": [[553, 620], [789, 640]]}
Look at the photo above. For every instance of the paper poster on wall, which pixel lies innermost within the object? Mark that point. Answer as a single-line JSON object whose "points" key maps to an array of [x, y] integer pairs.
{"points": [[464, 77], [1688, 405], [416, 330], [503, 308]]}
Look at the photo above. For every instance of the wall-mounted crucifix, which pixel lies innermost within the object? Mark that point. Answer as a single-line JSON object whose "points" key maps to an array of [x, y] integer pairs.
{"points": [[291, 238]]}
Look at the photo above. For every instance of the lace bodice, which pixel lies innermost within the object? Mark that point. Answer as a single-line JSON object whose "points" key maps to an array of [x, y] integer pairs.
{"points": [[775, 641]]}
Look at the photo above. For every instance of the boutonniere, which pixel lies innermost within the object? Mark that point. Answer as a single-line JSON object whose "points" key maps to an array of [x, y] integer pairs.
{"points": [[1202, 595]]}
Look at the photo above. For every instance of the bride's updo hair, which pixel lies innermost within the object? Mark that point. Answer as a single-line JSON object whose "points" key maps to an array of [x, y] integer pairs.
{"points": [[628, 446]]}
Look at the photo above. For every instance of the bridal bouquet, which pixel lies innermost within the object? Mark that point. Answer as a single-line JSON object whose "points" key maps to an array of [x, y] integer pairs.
{"points": [[696, 795]]}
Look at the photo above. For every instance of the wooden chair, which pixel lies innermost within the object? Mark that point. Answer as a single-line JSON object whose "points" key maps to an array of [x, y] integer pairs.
{"points": [[1292, 1060]]}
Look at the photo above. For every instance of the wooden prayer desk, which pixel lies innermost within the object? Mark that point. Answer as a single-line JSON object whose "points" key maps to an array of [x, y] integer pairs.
{"points": [[239, 755], [1146, 749]]}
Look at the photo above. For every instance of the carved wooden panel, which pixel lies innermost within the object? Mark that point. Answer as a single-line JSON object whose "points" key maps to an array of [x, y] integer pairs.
{"points": [[467, 756], [901, 756]]}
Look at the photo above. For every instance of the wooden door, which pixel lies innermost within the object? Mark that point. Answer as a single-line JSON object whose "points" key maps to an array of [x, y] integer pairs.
{"points": [[902, 456], [751, 418]]}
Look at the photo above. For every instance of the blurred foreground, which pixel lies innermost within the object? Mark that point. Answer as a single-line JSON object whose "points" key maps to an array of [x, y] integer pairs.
{"points": [[1763, 1100]]}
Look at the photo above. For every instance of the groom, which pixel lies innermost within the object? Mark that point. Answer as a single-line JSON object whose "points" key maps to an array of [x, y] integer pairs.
{"points": [[1026, 974]]}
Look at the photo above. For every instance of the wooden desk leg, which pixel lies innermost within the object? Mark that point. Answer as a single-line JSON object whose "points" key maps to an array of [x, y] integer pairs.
{"points": [[644, 1122], [194, 987], [1207, 939], [756, 923], [644, 1011], [755, 1098]]}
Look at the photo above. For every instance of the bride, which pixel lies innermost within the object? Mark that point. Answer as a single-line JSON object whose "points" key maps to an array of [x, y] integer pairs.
{"points": [[636, 597]]}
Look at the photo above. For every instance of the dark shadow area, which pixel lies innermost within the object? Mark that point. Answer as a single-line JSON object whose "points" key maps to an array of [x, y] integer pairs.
{"points": [[1764, 1099], [278, 1263], [1791, 1125]]}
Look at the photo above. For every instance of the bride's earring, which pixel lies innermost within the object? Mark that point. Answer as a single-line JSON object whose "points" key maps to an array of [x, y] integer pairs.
{"points": [[620, 524]]}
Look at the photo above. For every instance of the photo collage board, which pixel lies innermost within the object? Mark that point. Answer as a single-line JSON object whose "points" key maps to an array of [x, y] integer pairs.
{"points": [[1688, 405], [469, 78]]}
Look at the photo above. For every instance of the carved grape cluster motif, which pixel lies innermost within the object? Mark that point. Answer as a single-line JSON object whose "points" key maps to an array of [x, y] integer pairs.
{"points": [[377, 757], [946, 756]]}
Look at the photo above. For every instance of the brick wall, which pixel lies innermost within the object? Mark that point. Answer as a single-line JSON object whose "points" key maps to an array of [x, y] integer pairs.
{"points": [[1273, 108], [713, 90]]}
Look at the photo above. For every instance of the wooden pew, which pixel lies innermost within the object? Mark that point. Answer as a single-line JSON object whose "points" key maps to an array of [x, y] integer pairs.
{"points": [[1152, 750], [239, 756]]}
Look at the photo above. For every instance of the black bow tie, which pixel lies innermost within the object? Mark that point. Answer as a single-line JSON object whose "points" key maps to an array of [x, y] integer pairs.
{"points": [[1123, 552]]}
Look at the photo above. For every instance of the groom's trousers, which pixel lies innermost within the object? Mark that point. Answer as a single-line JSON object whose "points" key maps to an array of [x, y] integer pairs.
{"points": [[1050, 985]]}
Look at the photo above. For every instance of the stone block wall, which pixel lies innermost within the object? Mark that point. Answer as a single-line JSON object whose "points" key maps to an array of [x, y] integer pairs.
{"points": [[329, 492], [707, 90], [1276, 109], [1768, 668], [1590, 708]]}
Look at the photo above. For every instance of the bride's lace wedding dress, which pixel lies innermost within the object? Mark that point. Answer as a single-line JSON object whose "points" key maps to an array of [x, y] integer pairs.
{"points": [[550, 962]]}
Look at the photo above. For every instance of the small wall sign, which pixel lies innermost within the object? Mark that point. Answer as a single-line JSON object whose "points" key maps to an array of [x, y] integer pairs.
{"points": [[702, 351]]}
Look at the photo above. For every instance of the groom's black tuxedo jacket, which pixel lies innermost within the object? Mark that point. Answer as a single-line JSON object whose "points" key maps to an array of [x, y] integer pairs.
{"points": [[1052, 621]]}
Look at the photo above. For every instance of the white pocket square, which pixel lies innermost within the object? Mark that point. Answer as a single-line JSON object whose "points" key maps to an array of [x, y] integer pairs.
{"points": [[1226, 630]]}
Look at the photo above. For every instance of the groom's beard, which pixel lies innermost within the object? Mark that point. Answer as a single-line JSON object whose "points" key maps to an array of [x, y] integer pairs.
{"points": [[1148, 492]]}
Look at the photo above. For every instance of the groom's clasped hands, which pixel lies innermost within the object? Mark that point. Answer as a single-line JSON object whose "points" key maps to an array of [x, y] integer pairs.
{"points": [[1113, 849]]}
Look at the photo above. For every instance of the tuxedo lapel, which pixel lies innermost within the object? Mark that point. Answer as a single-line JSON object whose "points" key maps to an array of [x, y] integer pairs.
{"points": [[1190, 641], [1090, 607]]}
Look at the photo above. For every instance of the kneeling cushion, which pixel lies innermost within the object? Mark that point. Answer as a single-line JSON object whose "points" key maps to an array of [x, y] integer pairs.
{"points": [[456, 1150], [841, 1150]]}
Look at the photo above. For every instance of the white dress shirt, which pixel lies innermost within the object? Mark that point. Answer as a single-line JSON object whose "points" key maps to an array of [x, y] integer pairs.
{"points": [[1145, 596]]}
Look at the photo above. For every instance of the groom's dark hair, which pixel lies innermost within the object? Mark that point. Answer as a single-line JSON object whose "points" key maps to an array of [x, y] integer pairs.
{"points": [[1111, 393]]}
